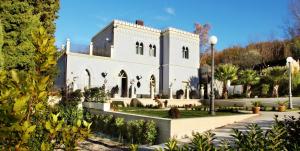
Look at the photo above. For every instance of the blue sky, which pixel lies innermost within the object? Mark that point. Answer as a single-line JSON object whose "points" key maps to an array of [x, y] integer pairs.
{"points": [[234, 22]]}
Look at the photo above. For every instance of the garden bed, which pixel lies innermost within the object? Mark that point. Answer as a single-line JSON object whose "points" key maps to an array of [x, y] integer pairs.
{"points": [[182, 127]]}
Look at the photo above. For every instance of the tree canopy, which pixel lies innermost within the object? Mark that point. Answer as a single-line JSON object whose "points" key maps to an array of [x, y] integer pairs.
{"points": [[20, 19], [225, 72]]}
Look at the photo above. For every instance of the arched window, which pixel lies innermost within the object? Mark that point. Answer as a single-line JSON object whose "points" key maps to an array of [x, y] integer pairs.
{"points": [[141, 48], [150, 50], [186, 53], [183, 52], [137, 45], [154, 50]]}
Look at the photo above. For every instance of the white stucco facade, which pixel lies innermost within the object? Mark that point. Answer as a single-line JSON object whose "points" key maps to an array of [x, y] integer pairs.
{"points": [[129, 52]]}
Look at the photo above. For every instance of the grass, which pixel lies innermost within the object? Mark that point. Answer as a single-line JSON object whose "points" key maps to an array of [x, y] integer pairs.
{"points": [[294, 109], [268, 108], [164, 113]]}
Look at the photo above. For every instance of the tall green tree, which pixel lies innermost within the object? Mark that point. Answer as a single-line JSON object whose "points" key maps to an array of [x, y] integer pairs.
{"points": [[18, 23], [295, 47], [225, 72], [19, 19], [275, 75], [47, 10], [248, 78], [1, 44]]}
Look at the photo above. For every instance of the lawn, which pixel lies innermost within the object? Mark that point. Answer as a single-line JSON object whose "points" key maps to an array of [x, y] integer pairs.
{"points": [[164, 113]]}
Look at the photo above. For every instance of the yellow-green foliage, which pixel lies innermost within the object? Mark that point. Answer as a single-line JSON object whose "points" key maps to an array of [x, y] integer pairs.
{"points": [[26, 121]]}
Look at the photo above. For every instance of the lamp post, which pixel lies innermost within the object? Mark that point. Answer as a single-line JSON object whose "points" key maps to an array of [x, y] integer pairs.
{"points": [[212, 41], [289, 60]]}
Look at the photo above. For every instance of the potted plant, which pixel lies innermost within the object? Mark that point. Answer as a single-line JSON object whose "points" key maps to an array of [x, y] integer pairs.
{"points": [[281, 106], [256, 107], [98, 100]]}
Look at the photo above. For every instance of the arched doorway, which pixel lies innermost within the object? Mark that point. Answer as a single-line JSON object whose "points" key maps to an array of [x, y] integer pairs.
{"points": [[87, 79], [152, 86], [124, 83]]}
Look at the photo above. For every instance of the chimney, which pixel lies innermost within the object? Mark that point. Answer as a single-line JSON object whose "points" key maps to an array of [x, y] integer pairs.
{"points": [[68, 49], [139, 22], [91, 48]]}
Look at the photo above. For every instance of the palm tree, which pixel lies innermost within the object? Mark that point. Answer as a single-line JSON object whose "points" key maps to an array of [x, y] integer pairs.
{"points": [[275, 74], [248, 78], [225, 72]]}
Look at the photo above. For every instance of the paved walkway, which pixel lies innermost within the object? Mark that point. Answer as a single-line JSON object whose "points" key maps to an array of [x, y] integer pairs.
{"points": [[264, 120]]}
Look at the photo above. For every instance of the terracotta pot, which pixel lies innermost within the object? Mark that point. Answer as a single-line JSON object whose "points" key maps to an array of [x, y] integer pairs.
{"points": [[281, 108], [255, 110]]}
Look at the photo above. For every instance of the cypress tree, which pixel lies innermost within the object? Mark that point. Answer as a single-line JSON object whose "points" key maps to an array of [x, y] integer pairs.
{"points": [[18, 24], [20, 19], [47, 11]]}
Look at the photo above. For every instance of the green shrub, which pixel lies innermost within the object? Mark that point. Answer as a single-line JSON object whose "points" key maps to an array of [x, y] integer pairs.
{"points": [[135, 103], [174, 112], [256, 103], [87, 95], [193, 94], [119, 122], [134, 147], [230, 109], [135, 131], [265, 90], [292, 127], [74, 98], [202, 141], [114, 90], [150, 132], [95, 95], [27, 122], [179, 93], [136, 128], [171, 145]]}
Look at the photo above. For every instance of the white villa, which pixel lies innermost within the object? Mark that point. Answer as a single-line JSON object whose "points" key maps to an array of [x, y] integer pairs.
{"points": [[139, 61]]}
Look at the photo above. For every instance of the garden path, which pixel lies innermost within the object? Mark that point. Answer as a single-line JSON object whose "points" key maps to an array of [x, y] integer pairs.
{"points": [[264, 120]]}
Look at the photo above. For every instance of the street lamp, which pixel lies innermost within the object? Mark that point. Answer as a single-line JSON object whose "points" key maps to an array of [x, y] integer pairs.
{"points": [[289, 60], [212, 41]]}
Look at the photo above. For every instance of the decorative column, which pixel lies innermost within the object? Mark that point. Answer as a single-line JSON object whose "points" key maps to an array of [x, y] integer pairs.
{"points": [[171, 93], [104, 83], [187, 91], [152, 91], [132, 89], [202, 92], [170, 88], [120, 86], [68, 47], [91, 48], [289, 61]]}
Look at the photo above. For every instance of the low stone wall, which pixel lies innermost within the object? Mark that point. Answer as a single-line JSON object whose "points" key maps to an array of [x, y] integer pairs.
{"points": [[247, 101], [180, 128]]}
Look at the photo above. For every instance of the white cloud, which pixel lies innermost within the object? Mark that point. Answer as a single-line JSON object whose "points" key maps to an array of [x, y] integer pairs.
{"points": [[170, 10]]}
